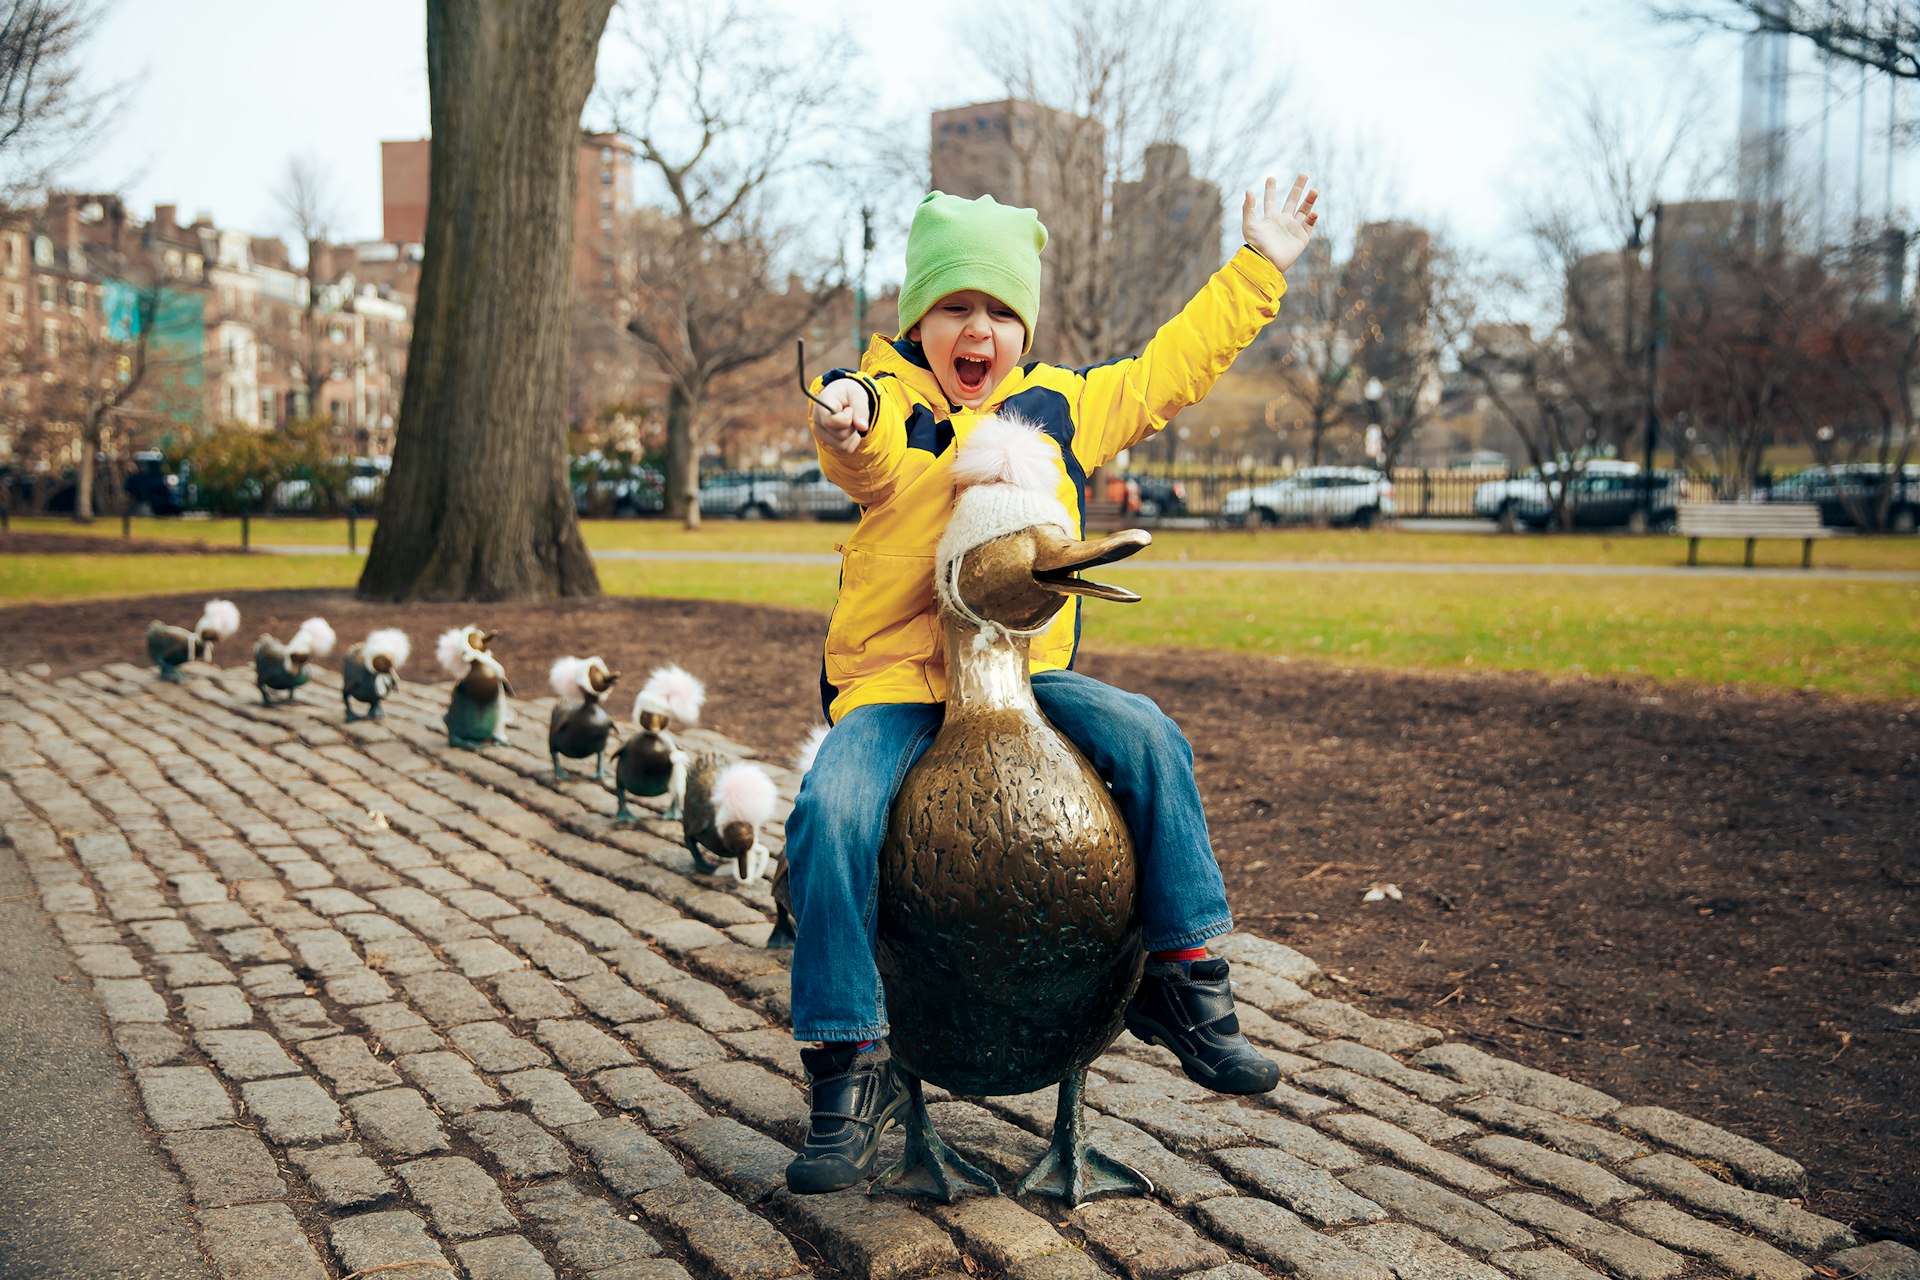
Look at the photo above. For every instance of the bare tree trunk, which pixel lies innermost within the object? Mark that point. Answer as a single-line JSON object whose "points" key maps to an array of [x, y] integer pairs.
{"points": [[478, 506], [683, 460], [83, 494]]}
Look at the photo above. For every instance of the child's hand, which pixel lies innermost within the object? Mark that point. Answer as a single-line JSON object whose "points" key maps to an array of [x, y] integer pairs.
{"points": [[1280, 233], [847, 426]]}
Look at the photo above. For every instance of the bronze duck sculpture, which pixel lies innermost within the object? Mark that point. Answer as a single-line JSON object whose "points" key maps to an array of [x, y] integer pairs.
{"points": [[283, 668], [371, 670], [727, 803], [651, 762], [1008, 934], [171, 648], [579, 725], [477, 712]]}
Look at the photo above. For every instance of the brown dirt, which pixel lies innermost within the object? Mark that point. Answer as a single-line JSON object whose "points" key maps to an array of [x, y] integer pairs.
{"points": [[1691, 898], [24, 542]]}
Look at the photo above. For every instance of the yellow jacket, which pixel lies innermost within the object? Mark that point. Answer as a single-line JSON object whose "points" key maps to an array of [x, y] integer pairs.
{"points": [[883, 644]]}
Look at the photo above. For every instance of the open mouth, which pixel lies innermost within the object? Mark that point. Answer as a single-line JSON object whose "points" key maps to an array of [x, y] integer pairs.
{"points": [[970, 372], [1060, 561]]}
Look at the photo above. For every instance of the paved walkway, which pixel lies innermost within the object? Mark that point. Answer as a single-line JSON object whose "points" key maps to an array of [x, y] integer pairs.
{"points": [[385, 1003]]}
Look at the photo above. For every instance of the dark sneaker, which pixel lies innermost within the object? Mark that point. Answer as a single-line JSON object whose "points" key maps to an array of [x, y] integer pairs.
{"points": [[1187, 1006], [856, 1095]]}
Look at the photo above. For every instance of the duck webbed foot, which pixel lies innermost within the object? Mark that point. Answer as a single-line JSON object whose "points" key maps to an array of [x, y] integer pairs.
{"points": [[559, 774], [929, 1167], [1070, 1168]]}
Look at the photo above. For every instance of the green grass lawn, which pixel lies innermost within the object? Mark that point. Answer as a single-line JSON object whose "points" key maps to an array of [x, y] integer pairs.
{"points": [[65, 577]]}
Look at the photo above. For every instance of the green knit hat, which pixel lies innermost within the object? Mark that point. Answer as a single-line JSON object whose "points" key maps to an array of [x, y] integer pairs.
{"points": [[957, 244]]}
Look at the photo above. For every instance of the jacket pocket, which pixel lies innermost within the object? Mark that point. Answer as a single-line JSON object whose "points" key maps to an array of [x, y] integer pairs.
{"points": [[884, 615]]}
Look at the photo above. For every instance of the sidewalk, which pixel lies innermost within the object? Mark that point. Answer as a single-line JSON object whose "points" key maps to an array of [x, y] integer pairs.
{"points": [[390, 1005]]}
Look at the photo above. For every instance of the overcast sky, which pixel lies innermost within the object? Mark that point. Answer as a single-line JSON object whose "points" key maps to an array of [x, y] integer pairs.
{"points": [[223, 92]]}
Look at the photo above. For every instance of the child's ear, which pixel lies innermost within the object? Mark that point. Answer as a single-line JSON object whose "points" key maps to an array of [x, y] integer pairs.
{"points": [[913, 334]]}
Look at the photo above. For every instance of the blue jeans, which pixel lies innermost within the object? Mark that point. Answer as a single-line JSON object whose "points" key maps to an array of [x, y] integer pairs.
{"points": [[839, 821]]}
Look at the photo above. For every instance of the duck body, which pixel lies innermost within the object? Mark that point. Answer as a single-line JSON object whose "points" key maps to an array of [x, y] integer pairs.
{"points": [[577, 730], [170, 648], [473, 716], [360, 681], [276, 669]]}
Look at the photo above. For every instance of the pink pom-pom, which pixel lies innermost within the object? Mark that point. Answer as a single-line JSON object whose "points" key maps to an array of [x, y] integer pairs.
{"points": [[671, 692], [567, 677], [314, 638], [809, 751], [1004, 450], [452, 651], [744, 793], [390, 643]]}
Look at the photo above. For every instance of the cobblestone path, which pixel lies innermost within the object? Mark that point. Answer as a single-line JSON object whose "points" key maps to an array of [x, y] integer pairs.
{"points": [[386, 1003]]}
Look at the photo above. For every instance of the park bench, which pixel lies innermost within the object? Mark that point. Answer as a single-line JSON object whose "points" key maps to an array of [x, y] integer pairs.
{"points": [[1752, 521]]}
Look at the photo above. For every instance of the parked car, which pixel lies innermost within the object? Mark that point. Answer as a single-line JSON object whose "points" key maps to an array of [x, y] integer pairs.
{"points": [[1498, 500], [153, 488], [1159, 496], [1610, 499], [1354, 496], [639, 492], [773, 495], [366, 479], [1850, 494]]}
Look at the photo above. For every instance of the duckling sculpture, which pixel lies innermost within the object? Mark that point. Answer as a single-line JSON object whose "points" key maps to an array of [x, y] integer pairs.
{"points": [[284, 667], [1008, 933], [477, 713], [580, 725], [173, 647], [651, 762], [727, 803], [371, 671]]}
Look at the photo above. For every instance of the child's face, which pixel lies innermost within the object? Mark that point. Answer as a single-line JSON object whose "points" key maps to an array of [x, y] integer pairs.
{"points": [[972, 340]]}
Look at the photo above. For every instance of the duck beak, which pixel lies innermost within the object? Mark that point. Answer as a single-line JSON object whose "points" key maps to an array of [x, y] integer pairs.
{"points": [[1058, 561]]}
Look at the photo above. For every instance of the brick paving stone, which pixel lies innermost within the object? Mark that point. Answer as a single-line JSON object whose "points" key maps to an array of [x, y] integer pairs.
{"points": [[399, 1121], [643, 1269], [1123, 1069], [519, 1146], [1231, 1271], [674, 1046], [258, 1242], [662, 1106], [481, 957], [1739, 1256], [343, 1177], [380, 1239], [629, 1159], [129, 1000], [1881, 1260], [183, 1098], [359, 986], [398, 1029], [681, 935], [1375, 1134], [215, 1008], [774, 990], [195, 888], [733, 962], [1511, 1080], [481, 905], [998, 1230], [1280, 1239], [1290, 1136], [1437, 1209], [1623, 1254], [460, 1197], [1382, 1066], [563, 958], [1002, 1149], [1333, 1019], [322, 951], [1389, 1103], [246, 1055], [372, 927], [334, 902], [402, 957], [752, 1164], [267, 981], [252, 946], [1068, 1264], [106, 961], [581, 1047], [1575, 1138], [1413, 1254], [589, 1233], [1180, 1182], [759, 1097], [503, 1258], [221, 917], [877, 1237], [1145, 1241], [165, 935], [293, 1110], [1310, 1192], [554, 1102], [1753, 1164], [1542, 1264], [86, 930], [530, 997], [297, 1018], [729, 1238], [1182, 1127], [1246, 950], [774, 1048], [191, 969], [607, 994], [495, 1049], [1295, 1102], [450, 1080], [706, 1005], [447, 998], [222, 1166], [1754, 1210], [1267, 991], [1578, 1180], [348, 1065]]}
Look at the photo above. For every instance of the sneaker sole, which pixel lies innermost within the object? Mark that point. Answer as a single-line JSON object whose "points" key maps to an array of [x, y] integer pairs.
{"points": [[1199, 1072], [864, 1170]]}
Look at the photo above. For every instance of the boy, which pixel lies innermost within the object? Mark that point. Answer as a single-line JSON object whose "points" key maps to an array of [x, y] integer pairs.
{"points": [[967, 310]]}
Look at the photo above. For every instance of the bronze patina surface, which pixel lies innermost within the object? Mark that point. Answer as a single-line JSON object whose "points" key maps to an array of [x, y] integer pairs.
{"points": [[646, 764], [700, 826], [274, 668], [580, 729], [361, 681]]}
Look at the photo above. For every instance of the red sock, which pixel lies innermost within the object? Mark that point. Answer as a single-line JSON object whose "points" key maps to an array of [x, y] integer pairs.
{"points": [[1187, 953]]}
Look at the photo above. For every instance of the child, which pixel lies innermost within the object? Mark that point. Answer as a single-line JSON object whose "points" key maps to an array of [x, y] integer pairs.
{"points": [[967, 310]]}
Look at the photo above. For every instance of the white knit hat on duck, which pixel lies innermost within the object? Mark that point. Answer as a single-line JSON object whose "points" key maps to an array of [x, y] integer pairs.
{"points": [[1005, 477]]}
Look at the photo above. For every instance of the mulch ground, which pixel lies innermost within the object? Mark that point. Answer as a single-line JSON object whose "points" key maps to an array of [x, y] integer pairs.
{"points": [[1691, 898]]}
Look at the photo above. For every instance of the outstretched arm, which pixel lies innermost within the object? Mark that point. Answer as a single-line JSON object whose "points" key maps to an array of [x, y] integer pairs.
{"points": [[1280, 233], [862, 441]]}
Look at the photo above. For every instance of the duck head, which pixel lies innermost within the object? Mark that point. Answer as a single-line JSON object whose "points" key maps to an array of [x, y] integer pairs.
{"points": [[670, 694], [587, 679], [386, 651]]}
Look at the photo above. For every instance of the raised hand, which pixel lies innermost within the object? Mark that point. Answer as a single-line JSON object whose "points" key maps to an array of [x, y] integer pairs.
{"points": [[1282, 229], [846, 428]]}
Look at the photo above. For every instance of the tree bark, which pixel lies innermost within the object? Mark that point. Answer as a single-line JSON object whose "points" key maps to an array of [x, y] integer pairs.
{"points": [[478, 506], [683, 460]]}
